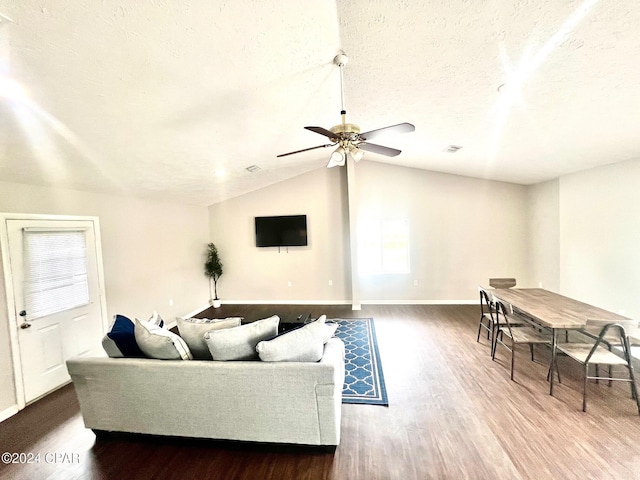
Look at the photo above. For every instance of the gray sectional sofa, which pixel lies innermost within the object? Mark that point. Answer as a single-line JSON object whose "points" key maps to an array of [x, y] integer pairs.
{"points": [[283, 402]]}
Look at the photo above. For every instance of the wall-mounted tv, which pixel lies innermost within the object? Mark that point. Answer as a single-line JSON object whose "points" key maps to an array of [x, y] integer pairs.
{"points": [[281, 231]]}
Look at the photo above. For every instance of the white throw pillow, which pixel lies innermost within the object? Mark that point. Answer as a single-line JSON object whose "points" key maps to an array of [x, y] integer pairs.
{"points": [[156, 319], [192, 331], [160, 343], [305, 344], [239, 343]]}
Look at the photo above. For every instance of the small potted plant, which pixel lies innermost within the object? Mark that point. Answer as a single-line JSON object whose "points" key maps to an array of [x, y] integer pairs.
{"points": [[213, 270]]}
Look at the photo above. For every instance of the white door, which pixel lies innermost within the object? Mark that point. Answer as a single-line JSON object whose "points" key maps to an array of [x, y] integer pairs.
{"points": [[63, 315]]}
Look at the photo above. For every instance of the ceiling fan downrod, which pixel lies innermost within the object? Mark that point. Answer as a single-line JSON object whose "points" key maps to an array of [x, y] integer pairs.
{"points": [[341, 60], [345, 132]]}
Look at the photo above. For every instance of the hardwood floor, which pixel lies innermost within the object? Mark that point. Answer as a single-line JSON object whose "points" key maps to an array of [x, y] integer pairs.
{"points": [[453, 414]]}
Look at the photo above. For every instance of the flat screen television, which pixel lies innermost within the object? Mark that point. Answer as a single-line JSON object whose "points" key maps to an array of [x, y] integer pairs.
{"points": [[281, 231]]}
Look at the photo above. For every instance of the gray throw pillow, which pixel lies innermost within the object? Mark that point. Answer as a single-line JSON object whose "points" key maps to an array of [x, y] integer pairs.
{"points": [[305, 344], [239, 343], [192, 331], [160, 343]]}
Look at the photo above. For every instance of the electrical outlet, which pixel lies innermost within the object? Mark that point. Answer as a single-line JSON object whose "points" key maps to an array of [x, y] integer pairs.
{"points": [[330, 283], [415, 283], [288, 284], [171, 302]]}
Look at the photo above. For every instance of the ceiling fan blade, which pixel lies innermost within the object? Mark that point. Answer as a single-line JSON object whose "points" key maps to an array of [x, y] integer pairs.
{"points": [[399, 128], [322, 131], [306, 150], [372, 147]]}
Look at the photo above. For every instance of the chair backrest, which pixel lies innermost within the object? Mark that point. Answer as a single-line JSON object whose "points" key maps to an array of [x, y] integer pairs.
{"points": [[486, 305], [606, 329], [502, 282], [598, 325], [506, 311]]}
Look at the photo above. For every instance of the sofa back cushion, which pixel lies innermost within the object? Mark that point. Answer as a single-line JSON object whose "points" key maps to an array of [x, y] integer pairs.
{"points": [[239, 343], [192, 331]]}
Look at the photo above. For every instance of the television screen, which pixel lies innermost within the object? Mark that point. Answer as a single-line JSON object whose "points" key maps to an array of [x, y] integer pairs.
{"points": [[282, 231]]}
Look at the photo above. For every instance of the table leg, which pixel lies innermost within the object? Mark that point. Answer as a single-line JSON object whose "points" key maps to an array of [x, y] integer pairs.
{"points": [[554, 343]]}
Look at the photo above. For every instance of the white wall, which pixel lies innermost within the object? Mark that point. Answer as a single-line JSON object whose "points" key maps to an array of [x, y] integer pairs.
{"points": [[600, 237], [152, 252], [543, 246], [464, 231], [262, 274]]}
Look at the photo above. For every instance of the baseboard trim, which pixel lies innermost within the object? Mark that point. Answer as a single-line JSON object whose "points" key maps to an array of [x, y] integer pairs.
{"points": [[419, 302], [346, 302], [286, 302], [8, 412]]}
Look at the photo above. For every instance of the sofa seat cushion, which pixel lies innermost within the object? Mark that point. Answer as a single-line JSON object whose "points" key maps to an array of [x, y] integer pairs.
{"points": [[160, 343], [192, 331], [239, 343], [304, 344]]}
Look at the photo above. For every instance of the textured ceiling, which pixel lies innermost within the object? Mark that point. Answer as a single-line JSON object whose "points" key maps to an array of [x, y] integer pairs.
{"points": [[172, 99]]}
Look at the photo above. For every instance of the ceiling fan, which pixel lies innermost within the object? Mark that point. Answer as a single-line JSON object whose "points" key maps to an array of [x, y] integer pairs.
{"points": [[347, 135]]}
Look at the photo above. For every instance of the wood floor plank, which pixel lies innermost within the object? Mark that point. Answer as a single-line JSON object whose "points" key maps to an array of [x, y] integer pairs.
{"points": [[453, 414]]}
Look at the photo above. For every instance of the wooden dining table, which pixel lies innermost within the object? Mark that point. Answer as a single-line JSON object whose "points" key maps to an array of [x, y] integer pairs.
{"points": [[551, 311]]}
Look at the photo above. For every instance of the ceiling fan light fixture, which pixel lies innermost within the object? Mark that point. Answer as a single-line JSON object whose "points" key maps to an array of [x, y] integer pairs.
{"points": [[338, 157], [356, 153]]}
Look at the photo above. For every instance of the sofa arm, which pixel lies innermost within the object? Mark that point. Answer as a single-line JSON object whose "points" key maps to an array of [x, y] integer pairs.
{"points": [[329, 396]]}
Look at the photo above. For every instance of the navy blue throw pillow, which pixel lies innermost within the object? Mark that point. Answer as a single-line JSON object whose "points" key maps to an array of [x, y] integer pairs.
{"points": [[122, 333]]}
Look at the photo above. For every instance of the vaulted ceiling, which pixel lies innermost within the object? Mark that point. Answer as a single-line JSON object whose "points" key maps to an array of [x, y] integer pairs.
{"points": [[173, 99]]}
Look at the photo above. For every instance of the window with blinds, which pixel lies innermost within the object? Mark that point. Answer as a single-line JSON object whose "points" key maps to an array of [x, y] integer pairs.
{"points": [[383, 247], [55, 271]]}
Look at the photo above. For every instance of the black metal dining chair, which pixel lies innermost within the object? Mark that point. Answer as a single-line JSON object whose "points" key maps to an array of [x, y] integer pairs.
{"points": [[487, 314], [520, 334], [596, 353]]}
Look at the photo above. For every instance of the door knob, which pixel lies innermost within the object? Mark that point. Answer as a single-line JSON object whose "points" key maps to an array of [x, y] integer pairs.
{"points": [[25, 324]]}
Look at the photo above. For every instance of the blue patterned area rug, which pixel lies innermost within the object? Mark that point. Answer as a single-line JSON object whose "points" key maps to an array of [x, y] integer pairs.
{"points": [[363, 382]]}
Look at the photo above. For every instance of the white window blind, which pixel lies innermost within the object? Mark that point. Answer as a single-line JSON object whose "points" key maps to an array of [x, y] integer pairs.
{"points": [[55, 271]]}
